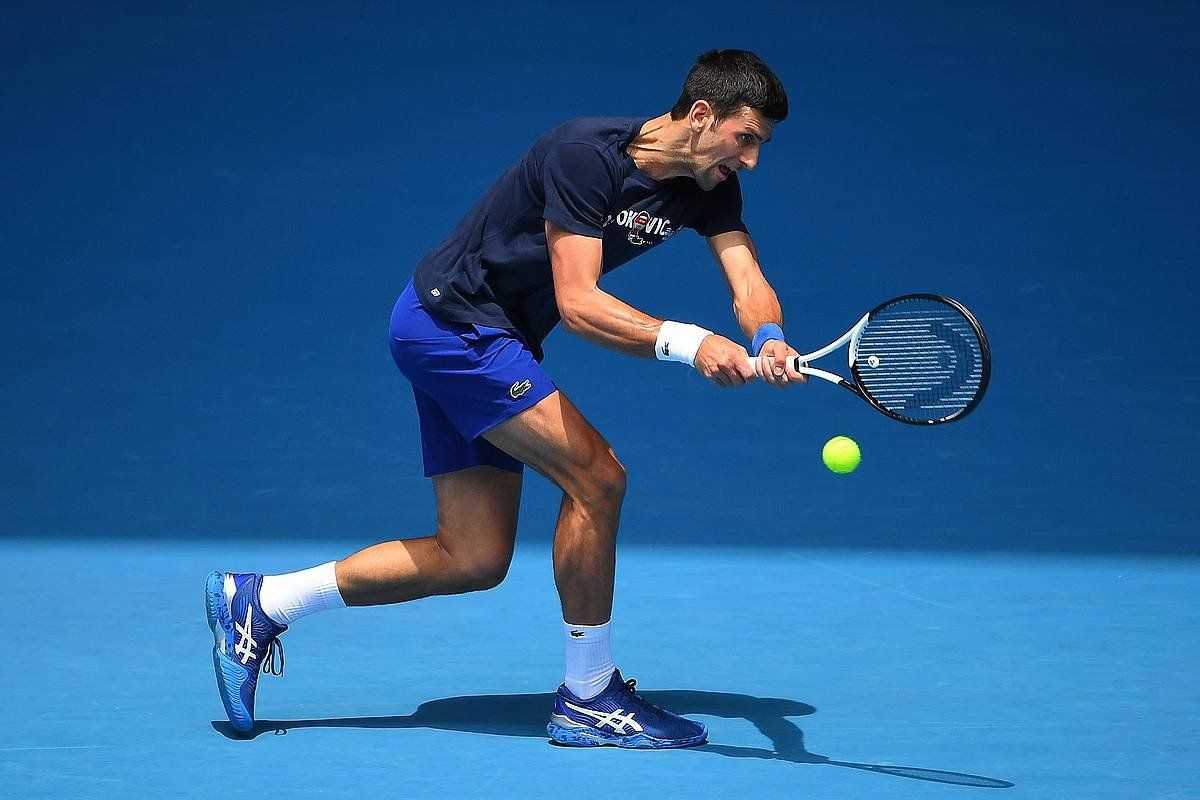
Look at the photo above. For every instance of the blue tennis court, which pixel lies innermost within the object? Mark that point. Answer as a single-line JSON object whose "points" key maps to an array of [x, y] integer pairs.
{"points": [[211, 211]]}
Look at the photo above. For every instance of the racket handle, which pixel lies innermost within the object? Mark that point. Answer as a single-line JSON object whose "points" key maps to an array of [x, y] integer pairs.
{"points": [[798, 366]]}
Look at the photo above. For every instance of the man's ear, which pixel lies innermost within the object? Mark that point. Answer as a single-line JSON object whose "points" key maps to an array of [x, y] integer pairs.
{"points": [[700, 116]]}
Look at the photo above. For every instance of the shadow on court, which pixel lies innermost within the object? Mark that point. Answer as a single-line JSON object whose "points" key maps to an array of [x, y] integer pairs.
{"points": [[526, 715]]}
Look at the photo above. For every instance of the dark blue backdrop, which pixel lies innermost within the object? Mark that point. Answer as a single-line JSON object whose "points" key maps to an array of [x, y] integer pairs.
{"points": [[208, 213]]}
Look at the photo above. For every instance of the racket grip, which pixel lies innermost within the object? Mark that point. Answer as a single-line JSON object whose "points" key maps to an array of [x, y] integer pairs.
{"points": [[799, 366]]}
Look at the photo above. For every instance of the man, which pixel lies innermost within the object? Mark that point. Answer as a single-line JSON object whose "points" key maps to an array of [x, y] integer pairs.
{"points": [[467, 332]]}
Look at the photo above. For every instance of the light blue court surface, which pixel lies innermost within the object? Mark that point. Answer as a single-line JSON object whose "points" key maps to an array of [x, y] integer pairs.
{"points": [[829, 674], [208, 212]]}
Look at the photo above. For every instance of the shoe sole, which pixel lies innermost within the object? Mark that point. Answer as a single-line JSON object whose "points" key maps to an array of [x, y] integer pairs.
{"points": [[231, 676], [590, 737]]}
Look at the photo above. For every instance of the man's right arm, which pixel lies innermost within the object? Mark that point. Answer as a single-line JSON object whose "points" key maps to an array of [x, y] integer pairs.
{"points": [[588, 311]]}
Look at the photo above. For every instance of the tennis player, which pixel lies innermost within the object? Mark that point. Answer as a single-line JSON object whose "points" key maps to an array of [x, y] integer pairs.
{"points": [[467, 332]]}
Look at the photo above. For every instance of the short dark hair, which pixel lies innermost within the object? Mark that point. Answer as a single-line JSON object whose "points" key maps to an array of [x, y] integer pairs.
{"points": [[730, 79]]}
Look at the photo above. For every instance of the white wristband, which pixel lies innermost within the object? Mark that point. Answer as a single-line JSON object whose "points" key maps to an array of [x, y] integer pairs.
{"points": [[679, 341]]}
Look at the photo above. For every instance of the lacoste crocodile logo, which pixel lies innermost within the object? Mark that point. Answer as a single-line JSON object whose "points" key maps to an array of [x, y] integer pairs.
{"points": [[519, 388]]}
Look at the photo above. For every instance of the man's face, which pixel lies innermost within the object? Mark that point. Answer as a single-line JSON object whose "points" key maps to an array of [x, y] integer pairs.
{"points": [[721, 149]]}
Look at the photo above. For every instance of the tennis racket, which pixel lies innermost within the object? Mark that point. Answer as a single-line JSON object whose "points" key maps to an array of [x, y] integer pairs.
{"points": [[920, 358]]}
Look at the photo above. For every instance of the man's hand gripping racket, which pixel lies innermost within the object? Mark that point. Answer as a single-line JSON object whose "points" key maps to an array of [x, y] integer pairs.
{"points": [[920, 358]]}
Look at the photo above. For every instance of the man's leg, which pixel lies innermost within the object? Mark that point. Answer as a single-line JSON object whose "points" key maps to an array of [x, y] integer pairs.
{"points": [[472, 549], [595, 705], [556, 440]]}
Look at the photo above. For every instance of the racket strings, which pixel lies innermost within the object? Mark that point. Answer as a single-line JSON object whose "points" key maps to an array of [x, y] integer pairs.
{"points": [[920, 359]]}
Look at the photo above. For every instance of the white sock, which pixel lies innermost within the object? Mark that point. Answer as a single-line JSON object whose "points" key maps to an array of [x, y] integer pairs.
{"points": [[589, 659], [287, 598]]}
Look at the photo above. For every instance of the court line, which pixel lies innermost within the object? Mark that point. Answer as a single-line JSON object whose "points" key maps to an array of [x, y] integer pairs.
{"points": [[57, 747], [905, 725], [891, 589]]}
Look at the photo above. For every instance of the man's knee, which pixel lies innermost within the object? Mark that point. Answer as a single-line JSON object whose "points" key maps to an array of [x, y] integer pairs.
{"points": [[600, 482], [481, 576], [477, 570]]}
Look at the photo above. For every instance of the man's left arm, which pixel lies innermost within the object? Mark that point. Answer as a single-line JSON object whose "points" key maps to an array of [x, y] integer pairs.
{"points": [[756, 307]]}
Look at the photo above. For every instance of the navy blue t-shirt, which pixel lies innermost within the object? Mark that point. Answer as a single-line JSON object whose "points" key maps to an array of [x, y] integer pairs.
{"points": [[494, 269]]}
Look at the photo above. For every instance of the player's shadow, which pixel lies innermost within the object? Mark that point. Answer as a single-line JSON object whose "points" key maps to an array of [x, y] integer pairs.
{"points": [[526, 715]]}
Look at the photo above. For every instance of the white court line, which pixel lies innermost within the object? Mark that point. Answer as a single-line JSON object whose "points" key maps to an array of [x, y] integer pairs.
{"points": [[62, 747], [891, 589]]}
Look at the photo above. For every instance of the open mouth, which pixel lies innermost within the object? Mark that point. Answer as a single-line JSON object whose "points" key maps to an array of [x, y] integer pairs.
{"points": [[724, 170]]}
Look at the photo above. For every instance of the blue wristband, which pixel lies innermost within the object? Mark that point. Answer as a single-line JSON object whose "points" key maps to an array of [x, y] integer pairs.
{"points": [[767, 331]]}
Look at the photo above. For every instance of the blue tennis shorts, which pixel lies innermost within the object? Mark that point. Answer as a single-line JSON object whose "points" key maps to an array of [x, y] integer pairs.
{"points": [[466, 380]]}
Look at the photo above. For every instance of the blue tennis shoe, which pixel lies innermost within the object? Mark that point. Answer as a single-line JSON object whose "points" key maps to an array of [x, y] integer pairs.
{"points": [[246, 642], [619, 717]]}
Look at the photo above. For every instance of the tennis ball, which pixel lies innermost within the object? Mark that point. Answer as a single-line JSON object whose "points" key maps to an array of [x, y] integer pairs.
{"points": [[841, 454]]}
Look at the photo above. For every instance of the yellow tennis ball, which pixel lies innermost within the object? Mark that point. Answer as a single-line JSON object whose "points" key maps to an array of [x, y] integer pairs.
{"points": [[841, 454]]}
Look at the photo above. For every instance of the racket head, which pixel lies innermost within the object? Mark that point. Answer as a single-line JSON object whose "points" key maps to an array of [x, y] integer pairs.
{"points": [[922, 359]]}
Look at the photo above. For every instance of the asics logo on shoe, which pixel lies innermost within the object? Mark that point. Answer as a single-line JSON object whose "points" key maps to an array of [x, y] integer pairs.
{"points": [[620, 722], [244, 648], [519, 388]]}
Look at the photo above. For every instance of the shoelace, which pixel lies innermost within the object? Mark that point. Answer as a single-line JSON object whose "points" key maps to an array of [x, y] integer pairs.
{"points": [[273, 661], [631, 687]]}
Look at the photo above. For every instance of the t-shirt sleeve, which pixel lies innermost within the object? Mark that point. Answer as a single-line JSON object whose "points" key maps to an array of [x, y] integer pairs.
{"points": [[579, 186], [723, 209]]}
